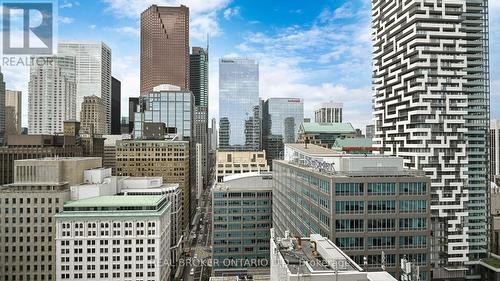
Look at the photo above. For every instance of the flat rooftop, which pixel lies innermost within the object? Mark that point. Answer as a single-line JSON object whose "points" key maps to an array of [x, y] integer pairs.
{"points": [[302, 260], [255, 181], [317, 255], [313, 149], [57, 159], [117, 201], [116, 206]]}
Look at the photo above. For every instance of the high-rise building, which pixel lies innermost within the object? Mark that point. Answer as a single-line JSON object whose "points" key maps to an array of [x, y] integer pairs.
{"points": [[242, 217], [169, 105], [317, 258], [198, 71], [369, 205], [109, 157], [370, 131], [281, 118], [167, 159], [32, 147], [100, 238], [436, 115], [2, 110], [116, 95], [13, 112], [164, 47], [494, 149], [93, 72], [93, 116], [213, 135], [133, 107], [238, 162], [52, 94], [253, 130], [238, 97], [27, 224], [328, 113]]}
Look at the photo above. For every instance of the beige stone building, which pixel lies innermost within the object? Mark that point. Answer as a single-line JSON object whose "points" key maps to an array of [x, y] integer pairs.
{"points": [[13, 108], [159, 158], [93, 116], [27, 225], [238, 162]]}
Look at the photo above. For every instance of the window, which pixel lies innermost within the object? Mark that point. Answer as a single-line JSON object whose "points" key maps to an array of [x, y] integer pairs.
{"points": [[412, 188], [381, 224], [412, 224], [350, 243], [412, 206], [347, 225], [350, 207], [383, 242], [381, 206], [409, 242], [382, 188], [349, 189]]}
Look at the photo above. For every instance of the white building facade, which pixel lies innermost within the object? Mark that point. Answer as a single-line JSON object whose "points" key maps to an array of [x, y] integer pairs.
{"points": [[93, 72], [431, 107], [330, 112], [114, 238], [52, 94]]}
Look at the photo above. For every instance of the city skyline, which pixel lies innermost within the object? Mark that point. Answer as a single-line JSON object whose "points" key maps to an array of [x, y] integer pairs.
{"points": [[238, 28]]}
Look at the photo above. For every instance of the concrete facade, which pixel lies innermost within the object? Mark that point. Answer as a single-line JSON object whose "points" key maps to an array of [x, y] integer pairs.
{"points": [[166, 159], [242, 217], [27, 224], [239, 162], [366, 204], [101, 238]]}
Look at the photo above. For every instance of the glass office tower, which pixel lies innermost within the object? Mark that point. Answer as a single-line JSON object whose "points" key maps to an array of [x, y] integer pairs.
{"points": [[238, 97], [281, 120], [171, 106], [283, 116]]}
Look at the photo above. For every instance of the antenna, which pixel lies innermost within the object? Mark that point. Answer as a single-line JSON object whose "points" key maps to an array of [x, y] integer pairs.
{"points": [[208, 41]]}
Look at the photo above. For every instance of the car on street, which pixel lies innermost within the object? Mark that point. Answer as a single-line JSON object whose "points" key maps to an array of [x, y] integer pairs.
{"points": [[191, 272]]}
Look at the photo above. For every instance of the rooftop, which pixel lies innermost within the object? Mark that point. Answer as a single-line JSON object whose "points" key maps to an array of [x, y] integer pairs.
{"points": [[57, 159], [255, 181], [353, 142], [331, 128], [301, 254], [319, 255], [116, 201], [314, 150]]}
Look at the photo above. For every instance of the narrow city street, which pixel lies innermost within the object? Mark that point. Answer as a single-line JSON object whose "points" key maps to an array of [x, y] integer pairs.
{"points": [[200, 251]]}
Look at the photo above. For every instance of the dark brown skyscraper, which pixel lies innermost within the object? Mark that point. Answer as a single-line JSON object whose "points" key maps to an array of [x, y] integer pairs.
{"points": [[164, 47]]}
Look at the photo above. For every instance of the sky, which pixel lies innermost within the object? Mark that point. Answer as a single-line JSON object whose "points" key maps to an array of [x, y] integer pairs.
{"points": [[318, 50]]}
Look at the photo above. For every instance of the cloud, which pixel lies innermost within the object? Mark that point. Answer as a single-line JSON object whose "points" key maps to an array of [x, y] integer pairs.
{"points": [[203, 25], [232, 12], [127, 30], [203, 13], [68, 4], [66, 20], [328, 59]]}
